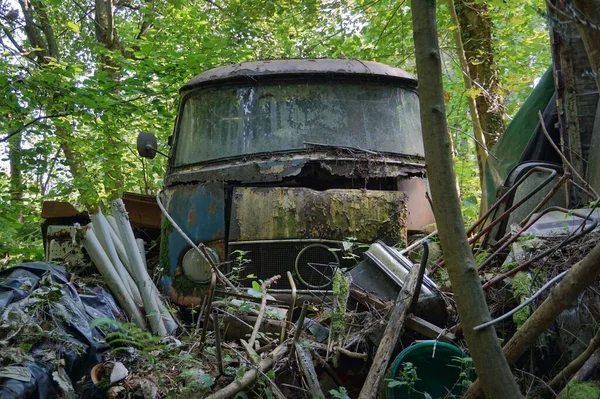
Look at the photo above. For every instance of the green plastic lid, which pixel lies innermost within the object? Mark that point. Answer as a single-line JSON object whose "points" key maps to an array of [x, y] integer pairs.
{"points": [[437, 374]]}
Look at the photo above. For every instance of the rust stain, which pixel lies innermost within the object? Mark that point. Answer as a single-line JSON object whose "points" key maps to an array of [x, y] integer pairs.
{"points": [[192, 217], [183, 300], [212, 208]]}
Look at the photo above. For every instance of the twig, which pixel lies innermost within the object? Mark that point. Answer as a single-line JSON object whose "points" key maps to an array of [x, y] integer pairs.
{"points": [[26, 125], [250, 376], [263, 305]]}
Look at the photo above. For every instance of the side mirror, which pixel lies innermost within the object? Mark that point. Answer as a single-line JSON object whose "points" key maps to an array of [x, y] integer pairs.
{"points": [[147, 145]]}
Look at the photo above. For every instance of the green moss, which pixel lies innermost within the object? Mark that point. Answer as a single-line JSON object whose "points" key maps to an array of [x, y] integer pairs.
{"points": [[521, 285], [165, 231], [341, 291], [580, 390], [521, 316]]}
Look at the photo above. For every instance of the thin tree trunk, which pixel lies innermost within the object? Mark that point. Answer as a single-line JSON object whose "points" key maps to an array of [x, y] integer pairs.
{"points": [[490, 365], [561, 297], [476, 31], [16, 179], [590, 35], [480, 143]]}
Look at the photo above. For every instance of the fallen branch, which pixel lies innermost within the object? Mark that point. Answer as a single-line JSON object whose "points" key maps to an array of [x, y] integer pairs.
{"points": [[576, 364], [263, 305], [390, 336], [251, 375], [581, 275], [308, 369]]}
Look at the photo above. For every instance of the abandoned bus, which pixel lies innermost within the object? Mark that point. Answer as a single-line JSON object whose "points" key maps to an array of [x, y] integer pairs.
{"points": [[275, 165]]}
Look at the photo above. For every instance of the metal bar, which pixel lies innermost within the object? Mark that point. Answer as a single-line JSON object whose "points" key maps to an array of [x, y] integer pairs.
{"points": [[217, 330], [521, 306], [422, 267], [211, 293], [299, 325], [516, 236], [300, 240], [507, 212], [526, 265], [290, 309], [417, 243]]}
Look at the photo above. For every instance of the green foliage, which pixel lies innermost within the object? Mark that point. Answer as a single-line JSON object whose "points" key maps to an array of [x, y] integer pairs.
{"points": [[580, 390], [77, 112], [521, 285], [341, 394], [130, 336]]}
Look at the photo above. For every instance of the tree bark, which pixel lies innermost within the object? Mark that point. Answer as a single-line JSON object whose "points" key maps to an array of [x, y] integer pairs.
{"points": [[393, 330], [16, 179], [476, 32], [490, 364], [480, 140], [561, 297], [590, 35]]}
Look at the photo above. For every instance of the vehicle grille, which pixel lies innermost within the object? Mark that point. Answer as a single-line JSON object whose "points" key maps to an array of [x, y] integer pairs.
{"points": [[316, 264]]}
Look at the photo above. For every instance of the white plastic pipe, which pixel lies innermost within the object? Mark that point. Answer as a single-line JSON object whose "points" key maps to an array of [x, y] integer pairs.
{"points": [[112, 278], [140, 273], [102, 230], [166, 315]]}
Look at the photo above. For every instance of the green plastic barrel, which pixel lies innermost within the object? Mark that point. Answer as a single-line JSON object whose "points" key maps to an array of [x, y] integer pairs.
{"points": [[438, 376]]}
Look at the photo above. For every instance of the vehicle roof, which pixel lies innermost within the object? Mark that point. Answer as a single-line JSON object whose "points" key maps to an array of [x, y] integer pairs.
{"points": [[294, 67]]}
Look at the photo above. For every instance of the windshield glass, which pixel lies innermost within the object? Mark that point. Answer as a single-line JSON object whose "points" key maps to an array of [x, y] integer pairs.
{"points": [[231, 121]]}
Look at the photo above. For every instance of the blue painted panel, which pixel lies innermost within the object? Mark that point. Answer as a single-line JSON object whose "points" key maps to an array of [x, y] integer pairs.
{"points": [[200, 212]]}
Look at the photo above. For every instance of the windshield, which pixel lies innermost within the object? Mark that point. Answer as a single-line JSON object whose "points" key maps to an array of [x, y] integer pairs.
{"points": [[231, 121]]}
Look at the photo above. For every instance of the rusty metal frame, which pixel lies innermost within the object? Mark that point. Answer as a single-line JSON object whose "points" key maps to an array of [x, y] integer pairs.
{"points": [[552, 173], [549, 251]]}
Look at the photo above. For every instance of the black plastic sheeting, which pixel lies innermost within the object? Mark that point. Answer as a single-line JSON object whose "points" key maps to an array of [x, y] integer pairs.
{"points": [[70, 310]]}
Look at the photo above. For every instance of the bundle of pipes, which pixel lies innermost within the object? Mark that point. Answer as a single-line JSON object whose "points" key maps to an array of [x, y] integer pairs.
{"points": [[121, 259]]}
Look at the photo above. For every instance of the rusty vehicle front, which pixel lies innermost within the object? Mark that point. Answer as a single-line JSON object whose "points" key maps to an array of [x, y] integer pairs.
{"points": [[274, 165]]}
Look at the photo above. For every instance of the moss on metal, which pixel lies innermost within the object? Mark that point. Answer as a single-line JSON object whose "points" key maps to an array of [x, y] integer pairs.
{"points": [[332, 214], [165, 231]]}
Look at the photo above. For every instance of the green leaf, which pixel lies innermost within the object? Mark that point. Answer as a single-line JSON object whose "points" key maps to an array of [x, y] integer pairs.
{"points": [[256, 286], [73, 26]]}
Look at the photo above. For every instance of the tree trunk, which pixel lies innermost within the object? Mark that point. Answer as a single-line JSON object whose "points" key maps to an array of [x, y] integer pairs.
{"points": [[16, 179], [490, 364], [591, 35], [476, 31], [480, 141], [561, 297]]}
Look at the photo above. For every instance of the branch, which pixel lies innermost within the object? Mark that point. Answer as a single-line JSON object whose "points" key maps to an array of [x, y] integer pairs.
{"points": [[263, 304], [26, 125]]}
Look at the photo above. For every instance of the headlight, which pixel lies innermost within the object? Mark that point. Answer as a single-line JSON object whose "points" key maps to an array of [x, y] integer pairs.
{"points": [[196, 268]]}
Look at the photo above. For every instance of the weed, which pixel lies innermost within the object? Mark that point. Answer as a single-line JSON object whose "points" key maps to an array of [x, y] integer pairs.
{"points": [[341, 394], [130, 336]]}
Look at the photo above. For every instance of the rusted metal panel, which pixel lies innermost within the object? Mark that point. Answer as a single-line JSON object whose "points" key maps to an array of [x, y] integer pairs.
{"points": [[266, 213], [330, 67], [260, 168], [419, 213], [60, 209], [143, 210], [61, 246]]}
